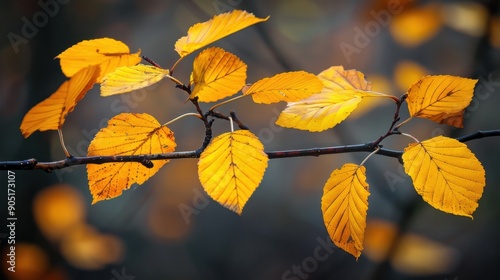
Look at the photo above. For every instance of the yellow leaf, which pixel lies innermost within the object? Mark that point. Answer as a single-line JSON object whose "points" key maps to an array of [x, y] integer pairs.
{"points": [[217, 74], [129, 78], [441, 98], [51, 113], [108, 53], [344, 205], [290, 86], [220, 26], [126, 134], [231, 168], [446, 174], [342, 92], [319, 112]]}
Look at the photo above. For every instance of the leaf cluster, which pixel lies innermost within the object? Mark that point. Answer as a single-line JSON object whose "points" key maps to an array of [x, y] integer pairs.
{"points": [[231, 166]]}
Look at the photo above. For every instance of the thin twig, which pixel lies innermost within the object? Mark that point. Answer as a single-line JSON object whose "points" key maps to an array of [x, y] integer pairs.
{"points": [[30, 164]]}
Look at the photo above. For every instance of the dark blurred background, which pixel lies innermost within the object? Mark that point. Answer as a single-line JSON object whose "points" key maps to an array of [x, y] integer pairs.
{"points": [[169, 228]]}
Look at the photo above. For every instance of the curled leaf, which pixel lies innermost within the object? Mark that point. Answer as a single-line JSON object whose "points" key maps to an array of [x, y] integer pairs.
{"points": [[126, 134], [106, 52], [51, 113], [231, 168], [344, 205], [129, 78], [217, 74], [446, 174], [220, 26], [289, 86]]}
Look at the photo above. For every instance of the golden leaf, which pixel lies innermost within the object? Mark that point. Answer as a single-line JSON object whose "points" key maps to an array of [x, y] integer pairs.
{"points": [[344, 205], [51, 113], [342, 92], [231, 168], [217, 74], [289, 86], [220, 26], [108, 53], [446, 174], [129, 78], [440, 98], [126, 134]]}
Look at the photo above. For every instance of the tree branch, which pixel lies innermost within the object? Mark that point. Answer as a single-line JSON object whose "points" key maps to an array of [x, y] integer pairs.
{"points": [[31, 164]]}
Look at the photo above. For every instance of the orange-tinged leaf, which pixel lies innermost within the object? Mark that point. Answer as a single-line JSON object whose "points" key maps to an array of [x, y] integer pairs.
{"points": [[336, 78], [126, 134], [217, 74], [441, 98], [129, 78], [220, 26], [51, 113], [344, 205], [106, 52], [342, 92], [289, 86], [446, 174], [231, 168]]}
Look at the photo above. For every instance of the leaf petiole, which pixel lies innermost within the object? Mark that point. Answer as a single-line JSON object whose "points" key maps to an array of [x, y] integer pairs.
{"points": [[173, 79], [61, 140], [382, 95], [370, 155], [182, 116], [402, 123], [175, 64], [411, 136], [231, 122], [227, 101]]}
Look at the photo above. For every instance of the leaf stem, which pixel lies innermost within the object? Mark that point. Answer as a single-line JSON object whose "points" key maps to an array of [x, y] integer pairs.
{"points": [[182, 116], [370, 155], [231, 122], [411, 136], [175, 65], [382, 95], [227, 101], [173, 79], [63, 146], [403, 122]]}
